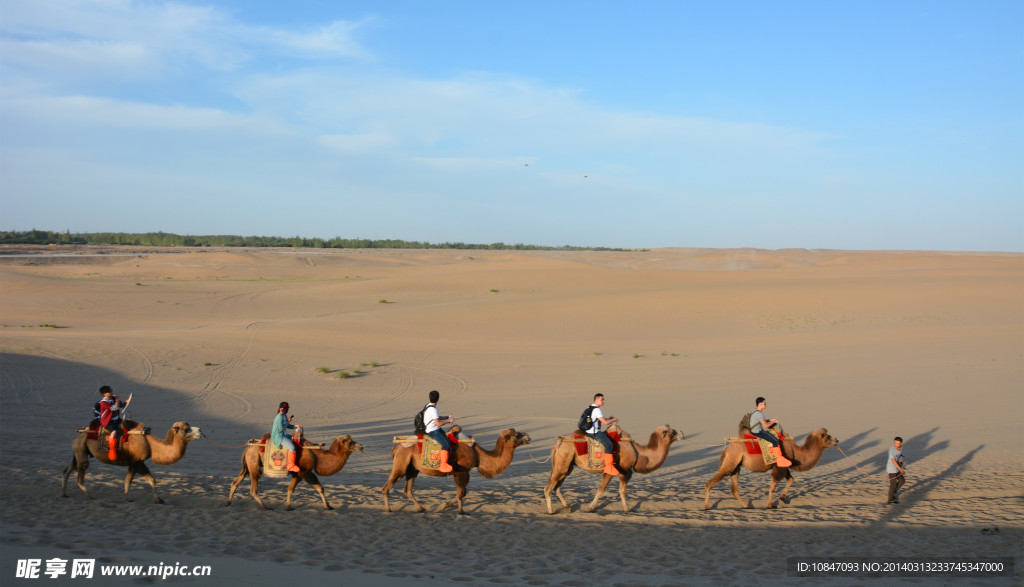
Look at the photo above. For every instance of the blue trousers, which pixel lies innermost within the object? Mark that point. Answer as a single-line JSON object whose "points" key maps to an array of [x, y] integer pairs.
{"points": [[603, 438], [441, 438], [767, 436]]}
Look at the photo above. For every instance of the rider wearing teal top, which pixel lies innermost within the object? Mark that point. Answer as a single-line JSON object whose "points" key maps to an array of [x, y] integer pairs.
{"points": [[279, 436], [282, 423]]}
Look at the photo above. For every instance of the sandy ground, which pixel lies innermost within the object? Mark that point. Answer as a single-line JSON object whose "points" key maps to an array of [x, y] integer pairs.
{"points": [[869, 345]]}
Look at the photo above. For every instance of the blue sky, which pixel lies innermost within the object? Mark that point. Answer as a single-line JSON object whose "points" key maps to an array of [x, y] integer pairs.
{"points": [[857, 125]]}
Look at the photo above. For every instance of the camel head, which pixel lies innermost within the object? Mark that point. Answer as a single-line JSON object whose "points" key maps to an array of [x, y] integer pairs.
{"points": [[348, 444], [516, 438], [186, 432], [822, 437], [670, 434]]}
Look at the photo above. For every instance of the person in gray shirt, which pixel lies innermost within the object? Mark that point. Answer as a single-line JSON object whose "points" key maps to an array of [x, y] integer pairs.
{"points": [[894, 467], [759, 427]]}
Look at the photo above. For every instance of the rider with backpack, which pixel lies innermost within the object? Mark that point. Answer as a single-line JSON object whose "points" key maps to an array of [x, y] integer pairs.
{"points": [[759, 424], [432, 428], [591, 422]]}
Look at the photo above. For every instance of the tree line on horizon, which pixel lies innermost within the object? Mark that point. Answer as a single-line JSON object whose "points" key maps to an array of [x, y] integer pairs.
{"points": [[167, 239]]}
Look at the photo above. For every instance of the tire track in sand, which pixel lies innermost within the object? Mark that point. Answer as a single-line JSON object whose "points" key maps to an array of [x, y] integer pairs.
{"points": [[223, 370]]}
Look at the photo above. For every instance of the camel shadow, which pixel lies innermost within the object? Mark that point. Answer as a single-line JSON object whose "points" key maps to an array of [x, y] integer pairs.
{"points": [[682, 461], [859, 442], [923, 440], [917, 492], [872, 467]]}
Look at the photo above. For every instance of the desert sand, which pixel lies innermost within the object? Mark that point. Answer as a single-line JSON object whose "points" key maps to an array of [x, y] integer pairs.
{"points": [[868, 344]]}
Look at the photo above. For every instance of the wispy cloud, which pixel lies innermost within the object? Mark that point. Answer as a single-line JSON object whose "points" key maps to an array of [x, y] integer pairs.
{"points": [[359, 143], [119, 36], [90, 112], [332, 41]]}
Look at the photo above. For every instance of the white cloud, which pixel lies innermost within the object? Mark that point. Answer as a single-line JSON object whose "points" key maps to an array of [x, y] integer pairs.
{"points": [[495, 117], [103, 113], [359, 143], [466, 164], [334, 40], [77, 33]]}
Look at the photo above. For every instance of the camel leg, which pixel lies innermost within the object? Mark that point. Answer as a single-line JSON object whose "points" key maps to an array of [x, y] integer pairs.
{"points": [[734, 482], [80, 480], [291, 488], [387, 489], [128, 481], [789, 481], [605, 479], [623, 481], [461, 484], [555, 484], [397, 472], [409, 479], [313, 480], [771, 489], [721, 474], [144, 470], [75, 466], [238, 481], [254, 487]]}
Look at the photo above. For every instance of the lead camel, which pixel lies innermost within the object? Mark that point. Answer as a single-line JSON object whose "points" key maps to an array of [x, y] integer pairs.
{"points": [[137, 446]]}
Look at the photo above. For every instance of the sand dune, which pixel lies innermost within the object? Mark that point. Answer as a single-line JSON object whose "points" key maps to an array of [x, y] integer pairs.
{"points": [[926, 345]]}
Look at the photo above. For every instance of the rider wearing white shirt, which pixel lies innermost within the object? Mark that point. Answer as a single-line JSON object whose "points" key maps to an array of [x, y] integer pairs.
{"points": [[433, 422], [595, 432]]}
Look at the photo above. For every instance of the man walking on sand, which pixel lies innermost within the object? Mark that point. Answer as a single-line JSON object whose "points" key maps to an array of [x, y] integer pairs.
{"points": [[894, 466]]}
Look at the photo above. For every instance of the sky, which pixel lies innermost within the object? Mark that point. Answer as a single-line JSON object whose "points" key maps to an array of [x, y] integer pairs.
{"points": [[837, 125]]}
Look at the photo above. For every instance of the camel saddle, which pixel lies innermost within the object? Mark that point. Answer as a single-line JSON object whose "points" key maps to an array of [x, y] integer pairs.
{"points": [[757, 445], [275, 460], [430, 449], [593, 449], [95, 431]]}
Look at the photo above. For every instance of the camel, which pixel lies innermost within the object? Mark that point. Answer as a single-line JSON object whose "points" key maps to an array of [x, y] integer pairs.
{"points": [[468, 456], [735, 456], [633, 457], [138, 445], [312, 460]]}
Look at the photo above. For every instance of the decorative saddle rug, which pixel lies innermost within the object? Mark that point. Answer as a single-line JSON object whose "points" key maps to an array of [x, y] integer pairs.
{"points": [[593, 449], [275, 460], [757, 445], [430, 449]]}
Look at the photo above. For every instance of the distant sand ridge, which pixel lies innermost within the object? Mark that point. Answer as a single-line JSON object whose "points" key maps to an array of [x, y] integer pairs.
{"points": [[925, 345]]}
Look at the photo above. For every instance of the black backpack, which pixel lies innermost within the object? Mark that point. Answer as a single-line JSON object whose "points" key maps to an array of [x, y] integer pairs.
{"points": [[586, 421], [417, 421]]}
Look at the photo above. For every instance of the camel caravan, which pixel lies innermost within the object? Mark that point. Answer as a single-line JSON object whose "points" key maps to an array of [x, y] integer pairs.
{"points": [[599, 445]]}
